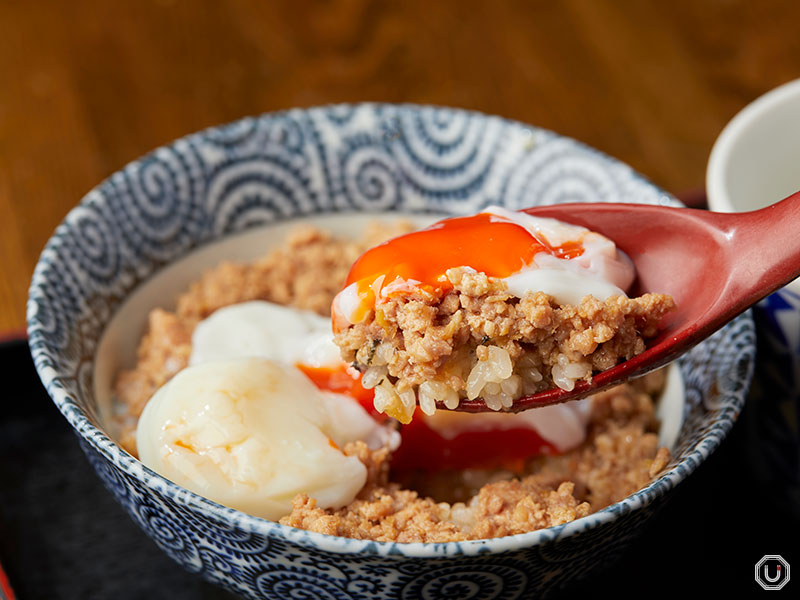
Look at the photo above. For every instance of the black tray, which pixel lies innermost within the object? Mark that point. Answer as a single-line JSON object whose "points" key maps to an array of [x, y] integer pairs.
{"points": [[62, 536]]}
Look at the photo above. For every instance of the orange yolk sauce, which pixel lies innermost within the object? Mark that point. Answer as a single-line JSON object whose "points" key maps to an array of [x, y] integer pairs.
{"points": [[423, 448], [340, 381], [486, 242]]}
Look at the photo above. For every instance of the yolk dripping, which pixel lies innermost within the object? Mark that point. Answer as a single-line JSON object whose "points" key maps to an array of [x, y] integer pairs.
{"points": [[341, 381], [423, 448], [485, 242]]}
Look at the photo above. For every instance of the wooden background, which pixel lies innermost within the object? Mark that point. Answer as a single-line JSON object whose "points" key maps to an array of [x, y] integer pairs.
{"points": [[85, 87]]}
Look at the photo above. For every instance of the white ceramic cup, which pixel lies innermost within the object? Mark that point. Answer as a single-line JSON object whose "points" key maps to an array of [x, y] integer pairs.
{"points": [[755, 162]]}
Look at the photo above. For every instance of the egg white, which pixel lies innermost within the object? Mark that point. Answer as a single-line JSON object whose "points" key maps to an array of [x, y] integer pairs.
{"points": [[251, 434]]}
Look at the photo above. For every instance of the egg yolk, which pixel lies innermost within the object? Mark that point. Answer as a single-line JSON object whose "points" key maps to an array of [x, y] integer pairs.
{"points": [[340, 381], [486, 242], [423, 448]]}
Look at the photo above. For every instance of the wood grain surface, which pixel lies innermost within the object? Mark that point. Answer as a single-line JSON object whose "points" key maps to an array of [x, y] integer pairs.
{"points": [[85, 87]]}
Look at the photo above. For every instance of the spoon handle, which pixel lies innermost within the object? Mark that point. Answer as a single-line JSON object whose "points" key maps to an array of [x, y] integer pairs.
{"points": [[765, 253], [6, 593]]}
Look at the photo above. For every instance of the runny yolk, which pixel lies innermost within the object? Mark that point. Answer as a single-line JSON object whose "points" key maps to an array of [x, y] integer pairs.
{"points": [[485, 242], [340, 381], [423, 449]]}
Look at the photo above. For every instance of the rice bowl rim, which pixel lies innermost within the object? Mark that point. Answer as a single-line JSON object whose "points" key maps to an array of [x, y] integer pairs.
{"points": [[124, 462]]}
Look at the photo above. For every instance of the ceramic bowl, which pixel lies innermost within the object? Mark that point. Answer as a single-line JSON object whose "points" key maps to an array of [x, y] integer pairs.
{"points": [[143, 233]]}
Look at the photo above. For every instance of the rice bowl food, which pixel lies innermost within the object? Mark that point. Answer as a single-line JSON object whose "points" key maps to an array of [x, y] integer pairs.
{"points": [[137, 242], [241, 396], [495, 305]]}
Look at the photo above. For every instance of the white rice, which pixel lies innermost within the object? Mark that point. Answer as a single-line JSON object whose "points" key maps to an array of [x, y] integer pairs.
{"points": [[566, 373], [385, 396], [431, 392], [373, 376], [492, 379]]}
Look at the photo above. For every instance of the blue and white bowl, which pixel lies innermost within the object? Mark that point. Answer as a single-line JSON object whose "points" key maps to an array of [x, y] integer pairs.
{"points": [[147, 230]]}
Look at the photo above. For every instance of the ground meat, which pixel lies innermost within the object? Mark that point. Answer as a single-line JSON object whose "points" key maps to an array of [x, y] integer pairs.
{"points": [[420, 337], [396, 515], [305, 273], [164, 350], [619, 456]]}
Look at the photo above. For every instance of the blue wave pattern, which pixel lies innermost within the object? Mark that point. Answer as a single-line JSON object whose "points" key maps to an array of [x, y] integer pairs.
{"points": [[365, 157], [777, 390]]}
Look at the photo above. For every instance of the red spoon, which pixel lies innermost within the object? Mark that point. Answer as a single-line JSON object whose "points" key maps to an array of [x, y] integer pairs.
{"points": [[715, 266]]}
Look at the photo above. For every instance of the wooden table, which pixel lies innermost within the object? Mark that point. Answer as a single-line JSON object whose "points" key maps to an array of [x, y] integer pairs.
{"points": [[85, 87]]}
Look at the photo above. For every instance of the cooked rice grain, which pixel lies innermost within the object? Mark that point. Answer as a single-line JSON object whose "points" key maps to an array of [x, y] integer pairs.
{"points": [[481, 342]]}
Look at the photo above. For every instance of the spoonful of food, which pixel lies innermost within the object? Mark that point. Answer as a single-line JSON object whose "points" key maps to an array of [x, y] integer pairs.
{"points": [[714, 265]]}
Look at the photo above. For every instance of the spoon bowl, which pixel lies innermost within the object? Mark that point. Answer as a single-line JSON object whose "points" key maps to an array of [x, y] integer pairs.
{"points": [[714, 265]]}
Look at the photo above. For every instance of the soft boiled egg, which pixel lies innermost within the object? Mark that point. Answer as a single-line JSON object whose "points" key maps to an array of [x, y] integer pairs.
{"points": [[444, 440], [251, 433], [299, 338], [267, 330], [529, 253], [267, 403], [244, 426]]}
